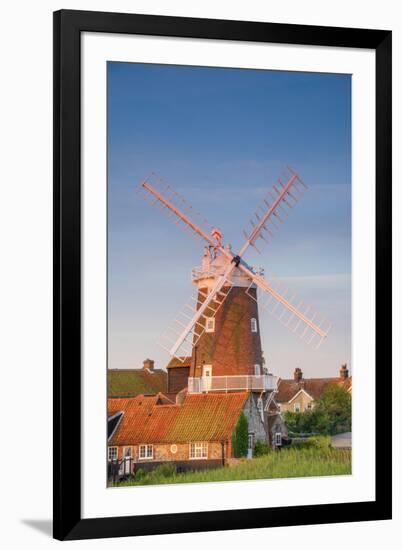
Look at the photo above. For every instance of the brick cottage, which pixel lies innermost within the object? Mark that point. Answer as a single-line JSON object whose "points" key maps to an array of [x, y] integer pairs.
{"points": [[194, 432]]}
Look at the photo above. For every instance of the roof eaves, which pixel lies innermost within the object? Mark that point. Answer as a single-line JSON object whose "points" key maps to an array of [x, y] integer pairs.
{"points": [[300, 391], [121, 413]]}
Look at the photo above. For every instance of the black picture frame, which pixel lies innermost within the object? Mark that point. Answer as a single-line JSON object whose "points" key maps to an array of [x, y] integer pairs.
{"points": [[68, 26]]}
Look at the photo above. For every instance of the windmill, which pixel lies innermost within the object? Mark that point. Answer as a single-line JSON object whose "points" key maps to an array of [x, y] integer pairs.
{"points": [[220, 328]]}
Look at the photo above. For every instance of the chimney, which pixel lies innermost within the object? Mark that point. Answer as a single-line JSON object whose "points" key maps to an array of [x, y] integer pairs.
{"points": [[148, 364], [181, 396], [344, 372], [297, 375]]}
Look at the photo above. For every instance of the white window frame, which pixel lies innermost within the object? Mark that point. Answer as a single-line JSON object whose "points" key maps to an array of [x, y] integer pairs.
{"points": [[207, 377], [254, 325], [114, 448], [149, 451], [257, 370], [250, 440], [199, 448], [212, 327], [207, 371], [309, 405], [278, 439], [297, 407]]}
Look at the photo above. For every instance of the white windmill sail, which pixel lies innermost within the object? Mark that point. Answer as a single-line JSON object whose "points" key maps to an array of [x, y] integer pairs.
{"points": [[163, 197], [273, 211], [290, 310], [179, 343], [189, 325]]}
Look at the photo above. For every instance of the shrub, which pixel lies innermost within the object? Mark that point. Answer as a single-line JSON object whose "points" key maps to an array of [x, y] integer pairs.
{"points": [[336, 404], [240, 437], [261, 448], [332, 414], [140, 475], [319, 441], [165, 470]]}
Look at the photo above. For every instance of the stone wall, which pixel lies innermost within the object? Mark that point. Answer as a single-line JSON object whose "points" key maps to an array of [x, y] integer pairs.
{"points": [[255, 422]]}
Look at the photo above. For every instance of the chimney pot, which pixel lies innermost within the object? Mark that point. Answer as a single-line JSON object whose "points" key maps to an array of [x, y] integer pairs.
{"points": [[148, 364], [344, 372], [298, 375]]}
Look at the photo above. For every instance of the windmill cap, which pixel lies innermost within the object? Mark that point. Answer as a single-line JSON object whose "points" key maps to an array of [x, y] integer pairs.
{"points": [[216, 233]]}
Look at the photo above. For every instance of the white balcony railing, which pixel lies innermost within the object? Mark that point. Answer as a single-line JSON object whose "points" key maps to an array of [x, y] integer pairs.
{"points": [[201, 272], [264, 382]]}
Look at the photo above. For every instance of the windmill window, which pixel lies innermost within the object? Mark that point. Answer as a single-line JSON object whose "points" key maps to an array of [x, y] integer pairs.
{"points": [[198, 451], [210, 324], [112, 453], [278, 439], [254, 327]]}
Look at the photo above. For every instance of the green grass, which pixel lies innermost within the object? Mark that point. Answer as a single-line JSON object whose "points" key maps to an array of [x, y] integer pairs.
{"points": [[303, 461]]}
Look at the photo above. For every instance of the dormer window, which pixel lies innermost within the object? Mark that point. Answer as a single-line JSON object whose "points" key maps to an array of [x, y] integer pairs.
{"points": [[210, 324], [254, 327]]}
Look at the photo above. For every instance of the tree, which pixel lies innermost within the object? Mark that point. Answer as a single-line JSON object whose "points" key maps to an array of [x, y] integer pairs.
{"points": [[336, 405], [332, 414], [240, 436]]}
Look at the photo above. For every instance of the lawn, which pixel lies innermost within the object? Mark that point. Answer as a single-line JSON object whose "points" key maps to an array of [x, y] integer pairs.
{"points": [[290, 462]]}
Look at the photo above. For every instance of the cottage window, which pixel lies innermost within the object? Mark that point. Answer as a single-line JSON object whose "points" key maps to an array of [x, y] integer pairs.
{"points": [[296, 407], [210, 324], [309, 405], [112, 453], [250, 441], [278, 439], [146, 451], [254, 327], [198, 450]]}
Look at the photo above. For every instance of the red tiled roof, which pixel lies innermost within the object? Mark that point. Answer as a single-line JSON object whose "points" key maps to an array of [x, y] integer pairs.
{"points": [[179, 362], [201, 417], [315, 387]]}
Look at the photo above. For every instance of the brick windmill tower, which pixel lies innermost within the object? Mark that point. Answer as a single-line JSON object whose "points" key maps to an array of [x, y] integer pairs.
{"points": [[220, 329], [227, 339]]}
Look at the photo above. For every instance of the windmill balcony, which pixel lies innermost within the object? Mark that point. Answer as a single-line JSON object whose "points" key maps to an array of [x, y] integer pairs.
{"points": [[201, 272], [264, 382]]}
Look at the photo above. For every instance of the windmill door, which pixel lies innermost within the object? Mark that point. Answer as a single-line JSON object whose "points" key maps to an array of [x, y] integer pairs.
{"points": [[207, 377]]}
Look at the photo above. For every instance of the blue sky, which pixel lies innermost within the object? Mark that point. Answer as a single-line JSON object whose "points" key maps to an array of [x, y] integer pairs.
{"points": [[222, 137]]}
